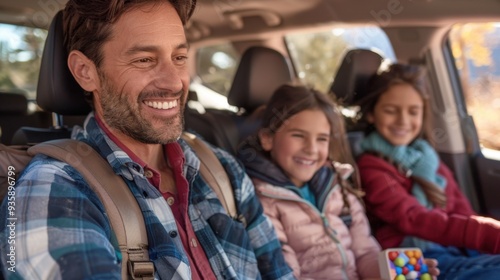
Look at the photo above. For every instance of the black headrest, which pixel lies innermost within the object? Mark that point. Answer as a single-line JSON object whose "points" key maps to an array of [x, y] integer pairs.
{"points": [[57, 89], [260, 72], [350, 83], [13, 103]]}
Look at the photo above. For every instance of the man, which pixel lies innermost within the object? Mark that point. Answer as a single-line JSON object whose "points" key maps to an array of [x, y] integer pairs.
{"points": [[131, 56]]}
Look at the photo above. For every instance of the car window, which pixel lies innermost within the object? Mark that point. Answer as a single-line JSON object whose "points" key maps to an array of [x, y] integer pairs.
{"points": [[317, 56], [216, 66], [20, 55], [476, 49]]}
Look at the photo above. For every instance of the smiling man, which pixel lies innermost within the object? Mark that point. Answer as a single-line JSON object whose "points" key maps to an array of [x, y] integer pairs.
{"points": [[131, 59]]}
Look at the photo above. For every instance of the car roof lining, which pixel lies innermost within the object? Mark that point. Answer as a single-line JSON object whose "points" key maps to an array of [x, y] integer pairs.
{"points": [[216, 19]]}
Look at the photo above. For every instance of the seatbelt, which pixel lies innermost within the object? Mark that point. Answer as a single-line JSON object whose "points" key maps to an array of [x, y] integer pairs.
{"points": [[213, 173], [121, 206]]}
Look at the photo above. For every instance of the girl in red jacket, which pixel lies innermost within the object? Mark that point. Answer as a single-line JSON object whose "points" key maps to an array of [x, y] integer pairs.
{"points": [[411, 194], [319, 221]]}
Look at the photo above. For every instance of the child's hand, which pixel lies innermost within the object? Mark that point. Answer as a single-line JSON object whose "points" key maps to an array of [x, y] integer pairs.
{"points": [[432, 265]]}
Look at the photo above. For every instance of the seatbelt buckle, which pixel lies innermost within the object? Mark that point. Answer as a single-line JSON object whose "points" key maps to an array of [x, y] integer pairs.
{"points": [[141, 270]]}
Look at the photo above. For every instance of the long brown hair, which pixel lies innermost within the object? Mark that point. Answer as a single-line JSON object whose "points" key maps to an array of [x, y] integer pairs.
{"points": [[414, 76], [398, 74], [289, 100]]}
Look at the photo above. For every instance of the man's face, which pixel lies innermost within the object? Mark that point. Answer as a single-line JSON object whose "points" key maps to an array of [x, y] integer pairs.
{"points": [[144, 77]]}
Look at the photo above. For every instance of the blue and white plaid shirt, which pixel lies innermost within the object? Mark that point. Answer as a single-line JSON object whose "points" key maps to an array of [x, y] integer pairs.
{"points": [[63, 232]]}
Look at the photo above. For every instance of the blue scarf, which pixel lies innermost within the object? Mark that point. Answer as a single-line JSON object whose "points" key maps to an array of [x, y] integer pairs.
{"points": [[420, 159]]}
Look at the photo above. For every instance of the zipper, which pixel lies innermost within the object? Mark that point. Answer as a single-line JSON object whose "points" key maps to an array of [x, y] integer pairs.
{"points": [[331, 232]]}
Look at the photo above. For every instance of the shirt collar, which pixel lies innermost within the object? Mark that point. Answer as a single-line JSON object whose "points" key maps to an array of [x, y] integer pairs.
{"points": [[119, 157], [119, 143], [173, 151]]}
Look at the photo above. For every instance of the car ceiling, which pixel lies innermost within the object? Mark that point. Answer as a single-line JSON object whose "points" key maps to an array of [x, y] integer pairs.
{"points": [[229, 18]]}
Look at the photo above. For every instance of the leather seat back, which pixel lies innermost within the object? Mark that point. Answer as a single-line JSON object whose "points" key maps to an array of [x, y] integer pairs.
{"points": [[57, 90], [260, 72], [350, 85]]}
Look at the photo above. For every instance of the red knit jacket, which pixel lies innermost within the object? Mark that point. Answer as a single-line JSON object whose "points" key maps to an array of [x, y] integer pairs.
{"points": [[396, 213]]}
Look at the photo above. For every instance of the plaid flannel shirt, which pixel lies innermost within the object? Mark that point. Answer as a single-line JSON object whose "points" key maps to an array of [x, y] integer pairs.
{"points": [[63, 232]]}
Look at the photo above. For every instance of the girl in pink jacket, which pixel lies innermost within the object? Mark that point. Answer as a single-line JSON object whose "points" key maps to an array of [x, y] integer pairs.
{"points": [[317, 215], [413, 197]]}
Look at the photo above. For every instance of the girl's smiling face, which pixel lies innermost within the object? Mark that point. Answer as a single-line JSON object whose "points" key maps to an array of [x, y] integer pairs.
{"points": [[398, 114], [300, 145]]}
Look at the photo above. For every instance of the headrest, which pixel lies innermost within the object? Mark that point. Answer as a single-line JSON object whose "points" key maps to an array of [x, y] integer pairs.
{"points": [[13, 104], [57, 90], [351, 82], [260, 72]]}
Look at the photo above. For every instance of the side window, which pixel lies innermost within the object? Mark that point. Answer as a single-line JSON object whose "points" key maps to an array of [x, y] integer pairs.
{"points": [[476, 49], [317, 56], [20, 56]]}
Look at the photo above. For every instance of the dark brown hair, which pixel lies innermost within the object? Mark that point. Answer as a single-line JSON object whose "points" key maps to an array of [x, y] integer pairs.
{"points": [[87, 23], [414, 76], [289, 100], [397, 74]]}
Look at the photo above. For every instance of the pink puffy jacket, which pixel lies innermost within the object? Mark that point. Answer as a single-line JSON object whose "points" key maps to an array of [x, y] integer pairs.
{"points": [[318, 245]]}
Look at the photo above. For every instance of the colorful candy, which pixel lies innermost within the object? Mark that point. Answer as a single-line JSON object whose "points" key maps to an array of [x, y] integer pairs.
{"points": [[403, 264]]}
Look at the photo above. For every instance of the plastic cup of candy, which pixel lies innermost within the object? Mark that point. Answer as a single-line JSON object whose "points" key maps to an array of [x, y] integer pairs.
{"points": [[403, 264]]}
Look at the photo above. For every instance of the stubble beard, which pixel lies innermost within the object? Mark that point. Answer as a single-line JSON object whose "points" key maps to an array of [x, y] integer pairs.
{"points": [[119, 114]]}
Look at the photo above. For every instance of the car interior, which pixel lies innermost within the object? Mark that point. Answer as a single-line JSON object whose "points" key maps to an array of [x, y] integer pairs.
{"points": [[261, 70], [242, 50]]}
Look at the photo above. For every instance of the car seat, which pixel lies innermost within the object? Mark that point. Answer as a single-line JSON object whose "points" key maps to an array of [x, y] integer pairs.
{"points": [[260, 72], [14, 113], [12, 105], [350, 85], [57, 91]]}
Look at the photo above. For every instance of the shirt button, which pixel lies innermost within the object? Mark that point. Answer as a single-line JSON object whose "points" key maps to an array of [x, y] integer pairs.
{"points": [[173, 234], [170, 201], [194, 243], [136, 168], [148, 174]]}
